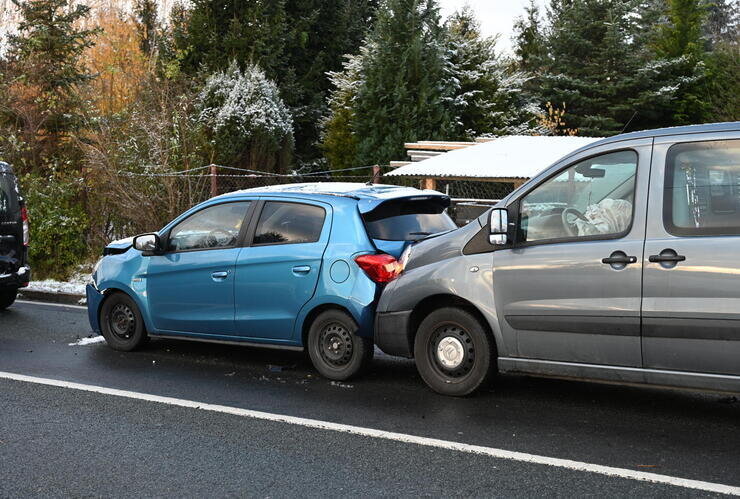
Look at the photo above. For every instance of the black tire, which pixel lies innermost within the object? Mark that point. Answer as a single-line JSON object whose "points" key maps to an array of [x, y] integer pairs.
{"points": [[470, 359], [7, 298], [334, 347], [121, 323]]}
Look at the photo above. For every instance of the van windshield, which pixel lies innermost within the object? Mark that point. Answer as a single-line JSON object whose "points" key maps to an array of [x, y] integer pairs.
{"points": [[406, 220]]}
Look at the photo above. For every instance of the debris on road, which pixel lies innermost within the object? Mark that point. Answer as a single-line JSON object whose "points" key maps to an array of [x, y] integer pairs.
{"points": [[89, 340]]}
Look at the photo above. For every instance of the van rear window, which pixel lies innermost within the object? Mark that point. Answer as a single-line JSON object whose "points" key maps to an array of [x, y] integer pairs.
{"points": [[406, 220], [8, 198]]}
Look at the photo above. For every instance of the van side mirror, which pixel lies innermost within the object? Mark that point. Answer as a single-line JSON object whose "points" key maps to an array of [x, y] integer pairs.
{"points": [[499, 224], [148, 244]]}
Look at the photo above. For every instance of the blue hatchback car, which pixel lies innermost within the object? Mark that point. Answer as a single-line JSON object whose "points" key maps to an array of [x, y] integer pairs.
{"points": [[294, 266]]}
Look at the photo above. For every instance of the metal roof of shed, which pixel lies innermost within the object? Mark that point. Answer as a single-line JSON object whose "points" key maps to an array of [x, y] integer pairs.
{"points": [[510, 157]]}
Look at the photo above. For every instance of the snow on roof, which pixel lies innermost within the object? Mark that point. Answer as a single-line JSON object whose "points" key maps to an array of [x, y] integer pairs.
{"points": [[514, 156], [354, 189]]}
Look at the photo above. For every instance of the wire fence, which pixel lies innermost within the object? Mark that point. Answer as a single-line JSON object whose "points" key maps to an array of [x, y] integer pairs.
{"points": [[144, 201]]}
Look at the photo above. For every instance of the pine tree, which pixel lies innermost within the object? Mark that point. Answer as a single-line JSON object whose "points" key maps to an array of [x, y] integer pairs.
{"points": [[320, 33], [529, 42], [339, 143], [403, 96], [47, 53], [148, 25], [599, 67], [722, 29], [680, 40], [43, 89], [245, 31], [488, 94]]}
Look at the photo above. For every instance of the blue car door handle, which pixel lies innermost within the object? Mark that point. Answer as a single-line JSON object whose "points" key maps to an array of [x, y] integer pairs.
{"points": [[219, 275], [301, 269]]}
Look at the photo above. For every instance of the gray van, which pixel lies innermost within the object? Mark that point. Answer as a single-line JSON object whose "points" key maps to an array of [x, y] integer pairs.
{"points": [[620, 262], [14, 269]]}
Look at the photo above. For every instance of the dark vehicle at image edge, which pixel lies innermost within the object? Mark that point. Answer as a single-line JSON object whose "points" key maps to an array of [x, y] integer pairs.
{"points": [[620, 262], [14, 270]]}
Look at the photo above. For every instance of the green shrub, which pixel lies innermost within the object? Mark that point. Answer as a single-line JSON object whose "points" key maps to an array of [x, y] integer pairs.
{"points": [[58, 224]]}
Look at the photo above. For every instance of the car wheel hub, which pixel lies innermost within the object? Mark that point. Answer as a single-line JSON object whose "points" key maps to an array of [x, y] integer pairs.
{"points": [[336, 345], [450, 352], [122, 321]]}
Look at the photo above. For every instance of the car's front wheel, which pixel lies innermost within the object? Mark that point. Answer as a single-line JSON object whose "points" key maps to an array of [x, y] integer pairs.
{"points": [[334, 347], [121, 323], [453, 352], [7, 298]]}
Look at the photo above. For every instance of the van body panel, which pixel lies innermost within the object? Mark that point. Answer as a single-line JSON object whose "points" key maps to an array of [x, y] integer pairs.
{"points": [[557, 309]]}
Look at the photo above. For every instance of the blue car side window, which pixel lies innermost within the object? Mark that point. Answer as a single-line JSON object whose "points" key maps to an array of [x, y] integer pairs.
{"points": [[289, 223], [212, 228]]}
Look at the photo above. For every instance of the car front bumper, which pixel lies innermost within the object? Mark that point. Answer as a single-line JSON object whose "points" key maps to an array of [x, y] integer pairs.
{"points": [[17, 279], [392, 333], [94, 298]]}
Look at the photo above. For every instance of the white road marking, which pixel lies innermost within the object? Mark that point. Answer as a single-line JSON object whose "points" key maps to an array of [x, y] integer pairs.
{"points": [[63, 305], [387, 435]]}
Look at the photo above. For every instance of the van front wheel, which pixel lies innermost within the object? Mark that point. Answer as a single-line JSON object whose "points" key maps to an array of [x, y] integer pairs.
{"points": [[454, 354]]}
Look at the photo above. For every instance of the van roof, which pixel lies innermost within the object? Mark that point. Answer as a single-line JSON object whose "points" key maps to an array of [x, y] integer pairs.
{"points": [[729, 126]]}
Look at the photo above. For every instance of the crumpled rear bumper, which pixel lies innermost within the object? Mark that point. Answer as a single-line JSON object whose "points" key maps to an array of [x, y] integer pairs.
{"points": [[94, 298], [17, 279]]}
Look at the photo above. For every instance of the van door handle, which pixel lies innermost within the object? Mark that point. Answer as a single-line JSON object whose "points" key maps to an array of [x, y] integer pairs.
{"points": [[220, 275], [302, 269], [619, 259], [667, 258]]}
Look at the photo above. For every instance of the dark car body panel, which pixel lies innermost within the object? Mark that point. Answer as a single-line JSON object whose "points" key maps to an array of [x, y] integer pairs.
{"points": [[14, 270]]}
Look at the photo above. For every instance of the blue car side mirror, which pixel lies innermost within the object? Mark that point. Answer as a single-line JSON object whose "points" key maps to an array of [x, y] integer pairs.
{"points": [[148, 244]]}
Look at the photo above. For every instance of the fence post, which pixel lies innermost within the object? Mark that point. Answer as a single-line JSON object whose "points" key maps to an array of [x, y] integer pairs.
{"points": [[429, 183], [377, 177], [214, 181]]}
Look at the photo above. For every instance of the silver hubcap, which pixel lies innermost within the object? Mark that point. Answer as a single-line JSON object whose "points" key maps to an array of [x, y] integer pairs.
{"points": [[450, 352]]}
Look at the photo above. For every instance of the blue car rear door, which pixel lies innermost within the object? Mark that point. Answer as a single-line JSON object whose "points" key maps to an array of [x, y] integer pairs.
{"points": [[191, 287], [277, 272]]}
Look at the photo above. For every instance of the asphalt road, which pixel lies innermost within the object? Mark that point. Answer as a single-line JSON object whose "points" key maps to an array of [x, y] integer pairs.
{"points": [[57, 441]]}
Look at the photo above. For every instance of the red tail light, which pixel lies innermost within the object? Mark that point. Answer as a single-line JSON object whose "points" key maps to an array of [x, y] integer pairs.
{"points": [[380, 268], [26, 228]]}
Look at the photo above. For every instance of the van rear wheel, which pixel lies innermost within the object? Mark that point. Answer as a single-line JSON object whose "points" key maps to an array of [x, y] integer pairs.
{"points": [[334, 347], [7, 298], [454, 353]]}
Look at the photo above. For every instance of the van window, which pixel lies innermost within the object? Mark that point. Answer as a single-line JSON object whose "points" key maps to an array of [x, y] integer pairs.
{"points": [[408, 220], [591, 199], [702, 188]]}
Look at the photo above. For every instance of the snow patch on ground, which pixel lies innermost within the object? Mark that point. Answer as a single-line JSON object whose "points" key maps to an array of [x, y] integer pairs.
{"points": [[87, 341], [75, 285]]}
